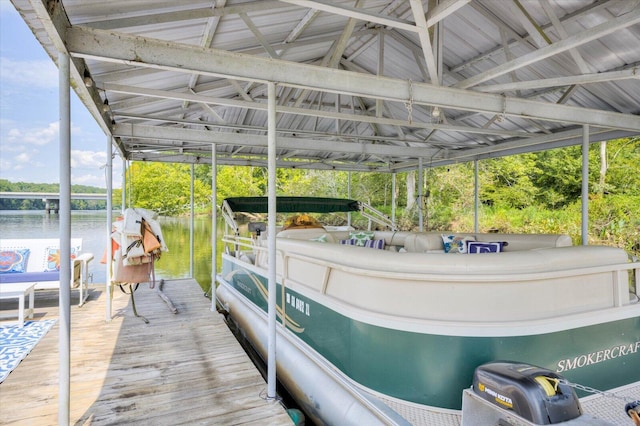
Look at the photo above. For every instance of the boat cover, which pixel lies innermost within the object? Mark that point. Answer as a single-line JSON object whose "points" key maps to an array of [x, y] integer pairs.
{"points": [[293, 204]]}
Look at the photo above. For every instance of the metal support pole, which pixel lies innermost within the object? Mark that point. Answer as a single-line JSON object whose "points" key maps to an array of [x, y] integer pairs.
{"points": [[393, 197], [420, 198], [123, 206], [109, 179], [476, 196], [191, 225], [585, 185], [349, 196], [214, 225], [65, 241], [271, 150]]}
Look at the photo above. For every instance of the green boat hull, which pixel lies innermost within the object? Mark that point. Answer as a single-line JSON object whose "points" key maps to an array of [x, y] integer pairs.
{"points": [[433, 369]]}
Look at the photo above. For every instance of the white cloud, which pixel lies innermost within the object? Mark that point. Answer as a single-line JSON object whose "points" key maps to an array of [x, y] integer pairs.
{"points": [[6, 123], [88, 159], [36, 136], [23, 157], [88, 179], [88, 168], [34, 74]]}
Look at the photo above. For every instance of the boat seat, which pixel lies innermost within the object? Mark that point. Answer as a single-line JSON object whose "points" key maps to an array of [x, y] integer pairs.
{"points": [[307, 234], [431, 242]]}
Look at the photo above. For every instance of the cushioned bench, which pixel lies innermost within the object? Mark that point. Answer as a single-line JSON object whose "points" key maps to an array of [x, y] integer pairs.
{"points": [[538, 283], [37, 261], [432, 242], [541, 275]]}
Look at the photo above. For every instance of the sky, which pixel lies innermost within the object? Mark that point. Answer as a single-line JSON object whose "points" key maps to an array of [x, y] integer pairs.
{"points": [[29, 115]]}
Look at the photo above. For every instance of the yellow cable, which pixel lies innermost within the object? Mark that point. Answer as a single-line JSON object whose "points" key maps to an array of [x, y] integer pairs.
{"points": [[545, 382]]}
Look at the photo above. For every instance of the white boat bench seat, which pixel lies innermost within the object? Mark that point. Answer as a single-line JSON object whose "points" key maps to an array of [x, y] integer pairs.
{"points": [[548, 281], [36, 260], [545, 270], [431, 242]]}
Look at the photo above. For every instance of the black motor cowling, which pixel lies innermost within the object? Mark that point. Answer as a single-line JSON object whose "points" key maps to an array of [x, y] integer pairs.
{"points": [[533, 393]]}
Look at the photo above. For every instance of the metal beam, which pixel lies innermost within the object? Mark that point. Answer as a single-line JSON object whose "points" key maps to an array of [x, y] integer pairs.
{"points": [[541, 143], [221, 159], [632, 73], [604, 29], [302, 25], [444, 9], [425, 40], [192, 97], [355, 13], [146, 52], [252, 140], [182, 15], [261, 38]]}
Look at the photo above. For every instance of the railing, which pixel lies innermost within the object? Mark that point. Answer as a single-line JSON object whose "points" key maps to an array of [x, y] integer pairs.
{"points": [[377, 216]]}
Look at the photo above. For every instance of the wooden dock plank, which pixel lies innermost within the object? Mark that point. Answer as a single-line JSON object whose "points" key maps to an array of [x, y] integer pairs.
{"points": [[180, 368]]}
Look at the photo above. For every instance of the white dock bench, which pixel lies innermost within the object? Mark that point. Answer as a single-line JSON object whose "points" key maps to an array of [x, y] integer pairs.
{"points": [[40, 266]]}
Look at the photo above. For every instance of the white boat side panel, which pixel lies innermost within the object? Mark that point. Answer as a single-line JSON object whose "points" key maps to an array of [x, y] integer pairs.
{"points": [[481, 289], [452, 300], [306, 273]]}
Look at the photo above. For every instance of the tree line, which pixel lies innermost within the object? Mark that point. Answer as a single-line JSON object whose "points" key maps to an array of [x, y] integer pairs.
{"points": [[38, 204]]}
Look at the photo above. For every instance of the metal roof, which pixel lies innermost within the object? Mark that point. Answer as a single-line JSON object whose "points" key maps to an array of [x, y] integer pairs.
{"points": [[371, 85]]}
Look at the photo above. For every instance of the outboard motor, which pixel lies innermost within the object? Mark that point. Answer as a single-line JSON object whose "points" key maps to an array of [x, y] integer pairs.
{"points": [[521, 394]]}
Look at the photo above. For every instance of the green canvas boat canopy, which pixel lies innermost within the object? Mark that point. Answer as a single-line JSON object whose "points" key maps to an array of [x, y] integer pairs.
{"points": [[293, 204]]}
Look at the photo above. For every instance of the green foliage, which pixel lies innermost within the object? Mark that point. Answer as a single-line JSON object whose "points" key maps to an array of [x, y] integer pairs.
{"points": [[239, 182], [541, 193], [559, 174], [615, 220], [623, 173], [165, 188], [501, 176]]}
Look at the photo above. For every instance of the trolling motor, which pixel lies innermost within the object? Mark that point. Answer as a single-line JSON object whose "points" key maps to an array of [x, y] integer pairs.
{"points": [[633, 410], [510, 393]]}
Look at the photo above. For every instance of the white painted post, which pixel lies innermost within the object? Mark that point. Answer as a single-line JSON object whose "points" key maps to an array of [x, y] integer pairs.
{"points": [[214, 226], [349, 196], [476, 196], [64, 343], [191, 224], [420, 197], [123, 204], [107, 285], [585, 185], [271, 150], [393, 197]]}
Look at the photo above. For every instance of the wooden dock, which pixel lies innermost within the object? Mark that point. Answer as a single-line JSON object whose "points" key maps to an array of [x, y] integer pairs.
{"points": [[184, 368]]}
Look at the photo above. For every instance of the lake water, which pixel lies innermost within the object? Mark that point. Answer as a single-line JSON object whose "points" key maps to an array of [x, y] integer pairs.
{"points": [[91, 226]]}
